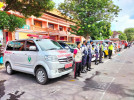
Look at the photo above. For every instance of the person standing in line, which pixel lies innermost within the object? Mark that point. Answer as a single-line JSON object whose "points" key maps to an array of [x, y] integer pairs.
{"points": [[110, 49], [100, 51], [126, 45], [89, 57], [84, 57], [97, 53], [78, 58]]}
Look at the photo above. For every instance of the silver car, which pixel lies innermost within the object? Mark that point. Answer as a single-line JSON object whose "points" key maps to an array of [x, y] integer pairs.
{"points": [[43, 58]]}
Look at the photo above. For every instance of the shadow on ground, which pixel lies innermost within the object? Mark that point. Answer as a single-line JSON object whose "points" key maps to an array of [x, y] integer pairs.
{"points": [[116, 89]]}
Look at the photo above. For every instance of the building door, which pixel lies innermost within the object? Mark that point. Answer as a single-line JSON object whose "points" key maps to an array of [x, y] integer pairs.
{"points": [[6, 37]]}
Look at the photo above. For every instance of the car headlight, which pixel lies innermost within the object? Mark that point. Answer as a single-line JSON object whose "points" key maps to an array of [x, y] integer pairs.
{"points": [[51, 58]]}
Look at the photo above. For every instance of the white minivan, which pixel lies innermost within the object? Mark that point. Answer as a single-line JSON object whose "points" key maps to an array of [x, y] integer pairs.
{"points": [[43, 58]]}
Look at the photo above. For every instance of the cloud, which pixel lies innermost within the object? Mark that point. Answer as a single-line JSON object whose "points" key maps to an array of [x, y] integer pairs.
{"points": [[126, 16], [123, 23], [57, 2]]}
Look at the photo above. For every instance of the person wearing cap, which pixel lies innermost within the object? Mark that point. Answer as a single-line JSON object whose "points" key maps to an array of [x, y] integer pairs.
{"points": [[89, 57], [97, 53], [110, 49], [78, 59], [100, 51], [84, 57]]}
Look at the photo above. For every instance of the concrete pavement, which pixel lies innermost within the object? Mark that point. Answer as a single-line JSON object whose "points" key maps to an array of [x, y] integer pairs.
{"points": [[112, 80], [1, 66]]}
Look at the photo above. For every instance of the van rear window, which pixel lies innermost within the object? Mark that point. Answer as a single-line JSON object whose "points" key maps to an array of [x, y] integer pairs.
{"points": [[16, 45], [10, 45]]}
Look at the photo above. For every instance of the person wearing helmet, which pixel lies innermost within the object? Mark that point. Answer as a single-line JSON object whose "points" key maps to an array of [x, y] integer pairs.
{"points": [[97, 53], [100, 52], [89, 57], [110, 49], [84, 57]]}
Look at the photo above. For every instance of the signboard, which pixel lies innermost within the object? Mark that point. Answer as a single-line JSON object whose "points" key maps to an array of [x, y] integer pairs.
{"points": [[26, 27]]}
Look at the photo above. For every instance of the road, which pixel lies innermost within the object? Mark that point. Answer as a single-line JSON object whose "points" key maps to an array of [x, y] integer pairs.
{"points": [[112, 80]]}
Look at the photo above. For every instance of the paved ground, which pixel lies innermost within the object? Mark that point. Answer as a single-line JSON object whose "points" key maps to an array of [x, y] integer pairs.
{"points": [[112, 80]]}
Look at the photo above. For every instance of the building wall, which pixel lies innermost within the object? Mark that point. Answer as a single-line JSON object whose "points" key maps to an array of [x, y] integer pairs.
{"points": [[116, 36], [45, 19]]}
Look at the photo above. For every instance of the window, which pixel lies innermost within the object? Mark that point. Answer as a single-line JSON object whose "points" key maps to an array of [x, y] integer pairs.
{"points": [[61, 28], [46, 44], [38, 23], [16, 45], [62, 38], [63, 45], [30, 43], [10, 45], [51, 26], [68, 29], [19, 45]]}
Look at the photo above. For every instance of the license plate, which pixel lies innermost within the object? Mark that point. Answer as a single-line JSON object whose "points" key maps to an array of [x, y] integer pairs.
{"points": [[68, 65]]}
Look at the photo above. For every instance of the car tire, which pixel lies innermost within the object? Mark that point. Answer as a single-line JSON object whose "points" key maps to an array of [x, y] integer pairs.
{"points": [[41, 76], [9, 69]]}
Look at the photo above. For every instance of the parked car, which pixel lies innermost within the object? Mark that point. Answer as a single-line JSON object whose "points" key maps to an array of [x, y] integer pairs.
{"points": [[72, 45], [0, 42], [105, 47], [107, 42], [67, 46], [43, 58]]}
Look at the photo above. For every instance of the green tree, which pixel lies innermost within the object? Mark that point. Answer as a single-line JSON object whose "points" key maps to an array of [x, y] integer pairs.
{"points": [[129, 33], [122, 36], [29, 7], [91, 17], [10, 22]]}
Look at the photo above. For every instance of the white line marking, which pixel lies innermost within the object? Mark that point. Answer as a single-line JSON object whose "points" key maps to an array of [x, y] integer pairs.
{"points": [[107, 89]]}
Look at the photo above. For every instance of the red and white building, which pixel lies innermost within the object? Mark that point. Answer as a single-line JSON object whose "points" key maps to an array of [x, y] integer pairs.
{"points": [[51, 24]]}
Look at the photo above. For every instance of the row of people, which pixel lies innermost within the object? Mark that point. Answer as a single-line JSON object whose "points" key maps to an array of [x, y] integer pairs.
{"points": [[83, 56]]}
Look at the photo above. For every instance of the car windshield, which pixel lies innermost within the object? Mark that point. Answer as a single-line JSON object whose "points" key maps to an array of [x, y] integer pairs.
{"points": [[72, 45], [46, 44]]}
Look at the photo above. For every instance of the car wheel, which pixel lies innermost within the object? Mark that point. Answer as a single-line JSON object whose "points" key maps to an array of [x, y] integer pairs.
{"points": [[9, 69], [41, 76]]}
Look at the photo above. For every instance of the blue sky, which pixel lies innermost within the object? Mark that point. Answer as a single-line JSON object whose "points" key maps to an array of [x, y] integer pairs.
{"points": [[125, 18]]}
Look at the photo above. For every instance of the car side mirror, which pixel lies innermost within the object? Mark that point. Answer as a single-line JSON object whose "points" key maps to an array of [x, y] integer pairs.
{"points": [[66, 47], [32, 48]]}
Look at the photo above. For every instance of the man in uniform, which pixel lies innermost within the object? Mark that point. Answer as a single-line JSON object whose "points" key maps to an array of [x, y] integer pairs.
{"points": [[110, 49], [100, 51], [97, 53], [84, 57], [89, 57]]}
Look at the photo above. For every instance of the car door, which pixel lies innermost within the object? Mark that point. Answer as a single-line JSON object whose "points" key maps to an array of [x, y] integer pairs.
{"points": [[18, 55], [31, 56]]}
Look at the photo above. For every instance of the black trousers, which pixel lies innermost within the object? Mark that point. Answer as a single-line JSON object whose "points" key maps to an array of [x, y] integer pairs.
{"points": [[110, 53], [89, 62], [77, 69], [100, 57]]}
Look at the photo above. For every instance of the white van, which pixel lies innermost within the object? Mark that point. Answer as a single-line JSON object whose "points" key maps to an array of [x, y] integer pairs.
{"points": [[43, 58]]}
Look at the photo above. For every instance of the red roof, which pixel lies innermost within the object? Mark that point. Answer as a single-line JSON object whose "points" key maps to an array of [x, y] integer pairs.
{"points": [[115, 32]]}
